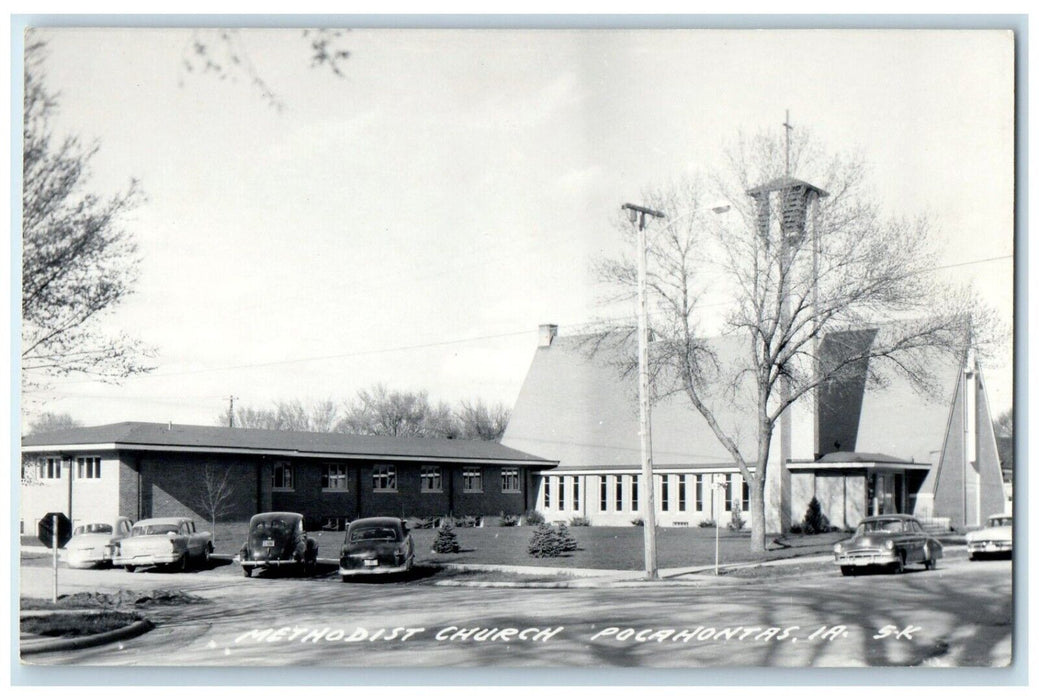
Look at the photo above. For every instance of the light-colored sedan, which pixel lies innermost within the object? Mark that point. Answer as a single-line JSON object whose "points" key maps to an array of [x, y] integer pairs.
{"points": [[92, 544], [996, 538], [172, 542]]}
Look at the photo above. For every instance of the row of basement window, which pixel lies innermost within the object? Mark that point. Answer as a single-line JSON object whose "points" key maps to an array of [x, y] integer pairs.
{"points": [[561, 491], [336, 477], [50, 468]]}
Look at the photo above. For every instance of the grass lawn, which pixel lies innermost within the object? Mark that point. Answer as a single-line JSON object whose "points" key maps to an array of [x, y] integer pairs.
{"points": [[76, 624]]}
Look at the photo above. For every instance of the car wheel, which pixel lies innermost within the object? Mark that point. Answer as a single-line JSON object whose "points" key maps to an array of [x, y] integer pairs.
{"points": [[247, 571], [345, 578], [847, 571], [207, 552], [900, 564], [971, 556], [929, 561], [130, 568], [182, 565]]}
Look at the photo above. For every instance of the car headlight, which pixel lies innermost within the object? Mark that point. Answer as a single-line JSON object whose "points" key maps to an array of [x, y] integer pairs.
{"points": [[889, 544], [837, 548]]}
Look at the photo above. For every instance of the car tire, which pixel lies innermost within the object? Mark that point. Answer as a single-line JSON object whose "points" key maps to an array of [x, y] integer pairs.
{"points": [[929, 561], [900, 564], [345, 578], [182, 565], [971, 556], [247, 571], [847, 571], [130, 568]]}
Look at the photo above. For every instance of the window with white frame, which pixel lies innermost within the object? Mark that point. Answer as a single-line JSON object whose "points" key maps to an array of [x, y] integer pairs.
{"points": [[603, 497], [728, 492], [618, 493], [472, 480], [745, 507], [510, 480], [335, 477], [548, 494], [634, 493], [432, 479], [699, 492], [561, 492], [384, 477], [681, 491], [577, 493], [281, 478], [50, 468], [664, 504], [88, 467]]}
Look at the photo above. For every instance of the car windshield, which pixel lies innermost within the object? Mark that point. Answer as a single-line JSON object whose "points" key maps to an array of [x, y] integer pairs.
{"points": [[894, 526], [1000, 521], [371, 534], [274, 526], [155, 529], [100, 528]]}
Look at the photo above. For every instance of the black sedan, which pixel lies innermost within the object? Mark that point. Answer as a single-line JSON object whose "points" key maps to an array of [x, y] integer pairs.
{"points": [[376, 546], [277, 540], [890, 541]]}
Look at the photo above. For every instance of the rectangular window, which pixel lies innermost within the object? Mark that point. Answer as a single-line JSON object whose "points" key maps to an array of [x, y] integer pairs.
{"points": [[745, 507], [472, 480], [50, 468], [577, 493], [561, 492], [728, 492], [681, 491], [618, 493], [548, 495], [88, 467], [664, 506], [431, 479], [281, 479], [603, 497], [510, 480], [335, 477], [634, 493], [699, 492], [384, 477]]}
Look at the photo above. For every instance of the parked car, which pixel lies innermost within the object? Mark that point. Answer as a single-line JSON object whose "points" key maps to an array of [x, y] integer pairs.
{"points": [[376, 546], [276, 540], [169, 542], [92, 543], [997, 537], [887, 540]]}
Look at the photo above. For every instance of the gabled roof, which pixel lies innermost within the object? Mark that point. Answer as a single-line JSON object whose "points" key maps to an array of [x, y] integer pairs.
{"points": [[199, 438]]}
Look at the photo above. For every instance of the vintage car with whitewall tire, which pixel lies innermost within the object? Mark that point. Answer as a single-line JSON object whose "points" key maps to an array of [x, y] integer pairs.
{"points": [[169, 542], [277, 540], [376, 546], [888, 541], [93, 543], [993, 540]]}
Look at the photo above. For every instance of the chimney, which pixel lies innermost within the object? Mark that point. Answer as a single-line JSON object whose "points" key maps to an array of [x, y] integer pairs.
{"points": [[546, 334]]}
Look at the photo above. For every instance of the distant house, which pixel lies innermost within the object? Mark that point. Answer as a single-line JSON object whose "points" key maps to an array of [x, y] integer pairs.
{"points": [[142, 470], [860, 450]]}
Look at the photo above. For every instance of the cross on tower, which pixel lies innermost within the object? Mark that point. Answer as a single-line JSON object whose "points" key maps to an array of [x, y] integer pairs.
{"points": [[787, 128]]}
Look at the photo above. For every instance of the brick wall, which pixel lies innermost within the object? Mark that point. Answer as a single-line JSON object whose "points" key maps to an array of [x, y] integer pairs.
{"points": [[172, 485]]}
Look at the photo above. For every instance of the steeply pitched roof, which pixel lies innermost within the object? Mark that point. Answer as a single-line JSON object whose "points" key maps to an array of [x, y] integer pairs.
{"points": [[194, 437]]}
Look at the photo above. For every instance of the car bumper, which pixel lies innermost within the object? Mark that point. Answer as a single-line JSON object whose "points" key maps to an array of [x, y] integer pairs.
{"points": [[871, 557], [989, 546], [148, 559], [374, 570], [256, 563], [85, 561]]}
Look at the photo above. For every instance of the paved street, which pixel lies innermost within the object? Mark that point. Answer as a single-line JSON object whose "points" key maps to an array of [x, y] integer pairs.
{"points": [[959, 615]]}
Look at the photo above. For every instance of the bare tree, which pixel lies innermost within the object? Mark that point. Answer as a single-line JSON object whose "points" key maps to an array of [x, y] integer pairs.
{"points": [[480, 421], [381, 411], [77, 261], [786, 295], [48, 422], [216, 493]]}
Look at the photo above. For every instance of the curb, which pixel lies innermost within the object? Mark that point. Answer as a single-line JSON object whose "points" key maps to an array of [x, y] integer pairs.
{"points": [[91, 640]]}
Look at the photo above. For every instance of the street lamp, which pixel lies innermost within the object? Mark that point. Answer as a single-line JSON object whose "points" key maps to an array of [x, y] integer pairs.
{"points": [[637, 215]]}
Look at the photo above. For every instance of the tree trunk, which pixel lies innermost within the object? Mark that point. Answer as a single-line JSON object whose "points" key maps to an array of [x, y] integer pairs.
{"points": [[757, 511]]}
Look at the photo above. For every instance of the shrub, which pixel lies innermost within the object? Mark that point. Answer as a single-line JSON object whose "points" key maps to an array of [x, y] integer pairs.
{"points": [[638, 522], [578, 521], [446, 541], [467, 521], [814, 521], [707, 523], [567, 541], [795, 529], [532, 517], [545, 542], [508, 520], [736, 522], [427, 523]]}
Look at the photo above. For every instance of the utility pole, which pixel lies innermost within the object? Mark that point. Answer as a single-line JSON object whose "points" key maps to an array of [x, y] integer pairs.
{"points": [[787, 128], [230, 413], [637, 216]]}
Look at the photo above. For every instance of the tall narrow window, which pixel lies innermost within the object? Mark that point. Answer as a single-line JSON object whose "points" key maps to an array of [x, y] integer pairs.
{"points": [[618, 495], [728, 492], [561, 492], [699, 493], [745, 507], [577, 493], [681, 491], [664, 506], [431, 479], [634, 493], [548, 494], [603, 497]]}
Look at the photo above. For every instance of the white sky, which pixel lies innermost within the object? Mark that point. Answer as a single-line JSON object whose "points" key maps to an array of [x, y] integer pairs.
{"points": [[457, 185]]}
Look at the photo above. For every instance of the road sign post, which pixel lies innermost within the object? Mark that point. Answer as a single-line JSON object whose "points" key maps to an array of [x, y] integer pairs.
{"points": [[54, 552], [54, 530]]}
